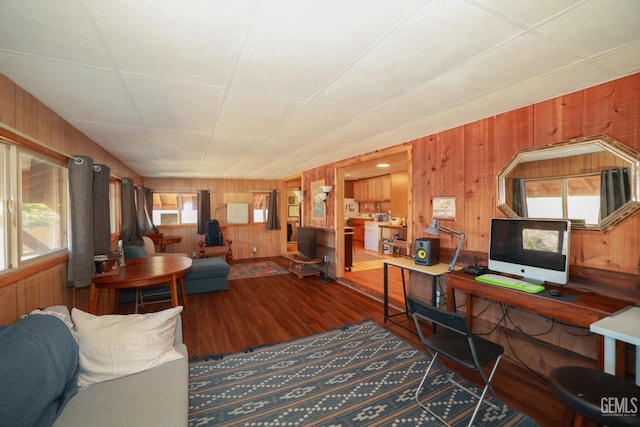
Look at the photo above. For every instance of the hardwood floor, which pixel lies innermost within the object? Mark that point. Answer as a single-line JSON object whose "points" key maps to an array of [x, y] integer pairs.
{"points": [[273, 309]]}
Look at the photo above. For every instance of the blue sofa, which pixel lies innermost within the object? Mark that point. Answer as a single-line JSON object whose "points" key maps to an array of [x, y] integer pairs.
{"points": [[39, 365]]}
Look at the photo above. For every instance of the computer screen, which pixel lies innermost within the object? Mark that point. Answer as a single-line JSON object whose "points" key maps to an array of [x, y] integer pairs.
{"points": [[534, 249]]}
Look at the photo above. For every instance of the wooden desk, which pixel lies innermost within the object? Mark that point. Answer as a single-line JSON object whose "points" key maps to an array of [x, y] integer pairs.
{"points": [[584, 311], [162, 240], [409, 264], [141, 272], [623, 326]]}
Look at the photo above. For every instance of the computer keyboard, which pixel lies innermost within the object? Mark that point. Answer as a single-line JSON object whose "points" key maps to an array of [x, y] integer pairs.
{"points": [[510, 282]]}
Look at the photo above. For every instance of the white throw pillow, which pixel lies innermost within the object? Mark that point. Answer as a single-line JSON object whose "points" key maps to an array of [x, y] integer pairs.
{"points": [[112, 346]]}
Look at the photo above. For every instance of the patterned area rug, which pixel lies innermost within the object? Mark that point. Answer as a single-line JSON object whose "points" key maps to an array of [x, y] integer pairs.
{"points": [[360, 375], [255, 269]]}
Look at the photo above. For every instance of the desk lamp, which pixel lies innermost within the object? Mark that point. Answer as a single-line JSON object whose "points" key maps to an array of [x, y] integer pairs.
{"points": [[435, 228], [326, 189]]}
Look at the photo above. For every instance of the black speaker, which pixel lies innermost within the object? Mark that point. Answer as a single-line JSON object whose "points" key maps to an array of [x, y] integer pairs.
{"points": [[427, 251]]}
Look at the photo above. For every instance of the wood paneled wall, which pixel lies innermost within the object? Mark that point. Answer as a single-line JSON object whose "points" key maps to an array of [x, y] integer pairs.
{"points": [[24, 117], [244, 236], [461, 162]]}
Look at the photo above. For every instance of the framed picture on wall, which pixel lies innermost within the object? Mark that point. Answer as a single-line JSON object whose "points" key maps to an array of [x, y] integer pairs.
{"points": [[293, 211], [444, 207], [292, 200], [317, 210]]}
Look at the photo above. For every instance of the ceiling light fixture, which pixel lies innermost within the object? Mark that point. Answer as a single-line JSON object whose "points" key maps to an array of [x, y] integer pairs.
{"points": [[383, 165]]}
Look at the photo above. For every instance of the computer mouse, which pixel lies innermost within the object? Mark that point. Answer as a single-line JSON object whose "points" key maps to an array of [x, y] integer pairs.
{"points": [[555, 293]]}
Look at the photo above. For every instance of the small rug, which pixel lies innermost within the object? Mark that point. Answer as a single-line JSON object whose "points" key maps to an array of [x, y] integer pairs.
{"points": [[255, 269], [358, 257], [360, 375], [367, 265]]}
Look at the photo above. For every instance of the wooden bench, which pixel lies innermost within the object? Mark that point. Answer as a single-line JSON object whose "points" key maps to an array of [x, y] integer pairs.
{"points": [[303, 266]]}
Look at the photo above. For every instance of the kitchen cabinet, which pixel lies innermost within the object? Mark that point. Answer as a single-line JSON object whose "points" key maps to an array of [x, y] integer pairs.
{"points": [[348, 189], [385, 187], [360, 192], [377, 189], [399, 202]]}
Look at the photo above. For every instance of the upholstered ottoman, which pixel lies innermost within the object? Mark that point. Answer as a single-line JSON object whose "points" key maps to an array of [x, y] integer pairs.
{"points": [[206, 275]]}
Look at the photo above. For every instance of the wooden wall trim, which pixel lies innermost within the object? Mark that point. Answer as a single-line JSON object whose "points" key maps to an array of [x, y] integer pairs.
{"points": [[12, 276]]}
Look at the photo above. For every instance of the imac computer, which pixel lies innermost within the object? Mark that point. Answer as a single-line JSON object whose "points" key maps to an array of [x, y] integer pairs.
{"points": [[536, 250]]}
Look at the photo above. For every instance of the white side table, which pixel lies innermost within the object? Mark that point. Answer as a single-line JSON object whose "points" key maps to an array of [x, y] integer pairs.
{"points": [[624, 326]]}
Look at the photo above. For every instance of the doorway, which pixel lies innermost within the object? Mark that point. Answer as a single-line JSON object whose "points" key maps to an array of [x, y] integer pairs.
{"points": [[399, 160], [291, 212]]}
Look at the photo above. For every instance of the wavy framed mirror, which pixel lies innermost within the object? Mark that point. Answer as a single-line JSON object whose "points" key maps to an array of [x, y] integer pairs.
{"points": [[593, 181]]}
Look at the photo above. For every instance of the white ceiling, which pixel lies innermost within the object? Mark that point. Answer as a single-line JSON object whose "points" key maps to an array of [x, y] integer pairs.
{"points": [[267, 89]]}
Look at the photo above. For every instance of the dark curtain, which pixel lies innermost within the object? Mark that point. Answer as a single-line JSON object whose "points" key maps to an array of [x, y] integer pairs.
{"points": [[129, 232], [520, 198], [144, 206], [272, 213], [204, 210], [615, 190], [148, 207], [81, 268], [101, 214]]}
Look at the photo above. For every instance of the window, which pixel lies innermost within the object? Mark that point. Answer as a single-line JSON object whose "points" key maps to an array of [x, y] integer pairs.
{"points": [[260, 207], [114, 207], [572, 197], [43, 206], [33, 206], [4, 234], [175, 208]]}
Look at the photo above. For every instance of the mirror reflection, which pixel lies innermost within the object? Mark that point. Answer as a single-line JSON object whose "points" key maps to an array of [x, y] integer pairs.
{"points": [[591, 181]]}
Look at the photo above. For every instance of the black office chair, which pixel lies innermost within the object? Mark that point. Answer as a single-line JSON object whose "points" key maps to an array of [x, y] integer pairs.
{"points": [[457, 343]]}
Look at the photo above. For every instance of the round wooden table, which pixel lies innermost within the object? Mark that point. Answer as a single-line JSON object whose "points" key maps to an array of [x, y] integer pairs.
{"points": [[140, 272], [162, 240]]}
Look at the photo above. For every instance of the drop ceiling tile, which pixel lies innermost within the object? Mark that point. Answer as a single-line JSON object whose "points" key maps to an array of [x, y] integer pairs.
{"points": [[229, 143], [175, 165], [174, 105], [408, 131], [317, 119], [426, 46], [567, 80], [252, 164], [296, 48], [523, 58], [254, 114], [50, 29], [361, 128], [73, 91], [174, 144], [112, 135], [620, 61], [605, 25], [194, 40], [294, 85], [528, 13]]}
